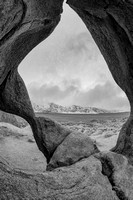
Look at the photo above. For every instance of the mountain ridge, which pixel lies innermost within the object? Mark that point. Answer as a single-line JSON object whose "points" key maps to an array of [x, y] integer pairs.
{"points": [[74, 109]]}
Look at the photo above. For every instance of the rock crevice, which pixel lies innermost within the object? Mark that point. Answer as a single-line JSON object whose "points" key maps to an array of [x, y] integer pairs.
{"points": [[82, 180], [119, 173], [107, 170]]}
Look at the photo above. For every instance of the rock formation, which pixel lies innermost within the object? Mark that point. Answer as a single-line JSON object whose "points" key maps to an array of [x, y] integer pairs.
{"points": [[104, 176], [119, 173], [83, 180], [12, 119], [23, 25], [75, 147]]}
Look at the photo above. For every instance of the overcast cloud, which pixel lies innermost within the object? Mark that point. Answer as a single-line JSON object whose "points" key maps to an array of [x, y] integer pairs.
{"points": [[67, 68]]}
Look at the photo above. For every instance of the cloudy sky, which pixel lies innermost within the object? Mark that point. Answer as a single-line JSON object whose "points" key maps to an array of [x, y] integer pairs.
{"points": [[67, 68]]}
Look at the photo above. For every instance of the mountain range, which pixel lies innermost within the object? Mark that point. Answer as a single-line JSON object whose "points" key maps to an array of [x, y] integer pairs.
{"points": [[74, 109]]}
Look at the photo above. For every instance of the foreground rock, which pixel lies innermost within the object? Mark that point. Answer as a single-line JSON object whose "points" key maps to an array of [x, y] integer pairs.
{"points": [[81, 181], [125, 141], [75, 147], [12, 119], [119, 173]]}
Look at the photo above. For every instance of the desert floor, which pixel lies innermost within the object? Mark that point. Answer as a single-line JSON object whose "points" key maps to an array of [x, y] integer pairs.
{"points": [[17, 145]]}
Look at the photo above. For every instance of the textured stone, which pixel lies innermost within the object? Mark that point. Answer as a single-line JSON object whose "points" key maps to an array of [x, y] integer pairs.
{"points": [[11, 12], [52, 133], [12, 119], [125, 141], [81, 181], [75, 147], [119, 172]]}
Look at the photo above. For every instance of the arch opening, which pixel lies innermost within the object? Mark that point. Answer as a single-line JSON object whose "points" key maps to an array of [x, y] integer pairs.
{"points": [[68, 69]]}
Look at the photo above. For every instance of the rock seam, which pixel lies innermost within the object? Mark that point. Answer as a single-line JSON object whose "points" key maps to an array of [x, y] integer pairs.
{"points": [[107, 170]]}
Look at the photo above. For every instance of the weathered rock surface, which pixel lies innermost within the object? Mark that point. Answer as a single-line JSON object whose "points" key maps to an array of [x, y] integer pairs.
{"points": [[52, 133], [83, 180], [10, 15], [125, 141], [75, 147], [119, 173], [12, 119]]}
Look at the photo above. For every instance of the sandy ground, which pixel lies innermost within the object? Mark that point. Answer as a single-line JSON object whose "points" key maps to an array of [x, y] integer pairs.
{"points": [[18, 147]]}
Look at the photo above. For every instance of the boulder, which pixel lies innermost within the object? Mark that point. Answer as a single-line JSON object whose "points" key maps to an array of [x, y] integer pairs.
{"points": [[75, 147], [51, 133], [81, 181], [13, 119]]}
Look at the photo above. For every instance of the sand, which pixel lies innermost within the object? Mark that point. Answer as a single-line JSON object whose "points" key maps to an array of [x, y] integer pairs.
{"points": [[18, 147]]}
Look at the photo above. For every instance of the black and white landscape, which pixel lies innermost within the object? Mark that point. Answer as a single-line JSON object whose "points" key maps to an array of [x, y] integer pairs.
{"points": [[18, 146], [80, 146]]}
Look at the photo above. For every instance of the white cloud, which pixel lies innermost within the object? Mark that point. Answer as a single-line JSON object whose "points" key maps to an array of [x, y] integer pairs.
{"points": [[106, 96]]}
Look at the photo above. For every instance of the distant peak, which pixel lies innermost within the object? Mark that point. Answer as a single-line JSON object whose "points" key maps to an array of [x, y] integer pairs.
{"points": [[74, 109]]}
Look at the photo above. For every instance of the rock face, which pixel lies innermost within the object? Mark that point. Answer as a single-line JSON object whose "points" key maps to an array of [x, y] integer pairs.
{"points": [[51, 133], [12, 119], [119, 172], [111, 25], [125, 141], [104, 176], [83, 180], [64, 146], [75, 147]]}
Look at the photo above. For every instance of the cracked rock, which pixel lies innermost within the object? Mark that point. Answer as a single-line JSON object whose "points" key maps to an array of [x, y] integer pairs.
{"points": [[119, 173], [81, 181]]}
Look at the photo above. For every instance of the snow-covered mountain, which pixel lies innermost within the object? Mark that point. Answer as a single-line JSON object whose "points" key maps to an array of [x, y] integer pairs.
{"points": [[74, 109]]}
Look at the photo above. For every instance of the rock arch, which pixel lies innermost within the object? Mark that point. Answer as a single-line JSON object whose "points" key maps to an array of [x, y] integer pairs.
{"points": [[24, 24]]}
